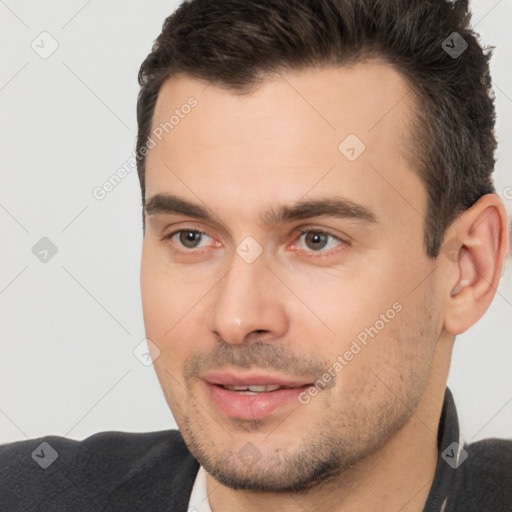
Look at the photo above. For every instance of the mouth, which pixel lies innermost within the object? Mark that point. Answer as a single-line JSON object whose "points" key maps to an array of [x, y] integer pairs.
{"points": [[253, 396], [254, 390]]}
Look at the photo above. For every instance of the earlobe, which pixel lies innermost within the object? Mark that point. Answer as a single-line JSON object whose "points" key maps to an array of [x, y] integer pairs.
{"points": [[476, 267]]}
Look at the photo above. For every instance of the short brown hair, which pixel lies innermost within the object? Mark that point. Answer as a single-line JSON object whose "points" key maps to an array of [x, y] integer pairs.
{"points": [[237, 43]]}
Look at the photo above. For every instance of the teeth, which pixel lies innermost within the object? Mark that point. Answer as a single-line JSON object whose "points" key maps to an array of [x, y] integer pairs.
{"points": [[259, 389], [254, 389]]}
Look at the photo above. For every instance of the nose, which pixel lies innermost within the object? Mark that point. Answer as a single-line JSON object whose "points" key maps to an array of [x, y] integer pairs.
{"points": [[249, 303]]}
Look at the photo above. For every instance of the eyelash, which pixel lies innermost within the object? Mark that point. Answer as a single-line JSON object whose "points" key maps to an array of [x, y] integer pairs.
{"points": [[301, 232]]}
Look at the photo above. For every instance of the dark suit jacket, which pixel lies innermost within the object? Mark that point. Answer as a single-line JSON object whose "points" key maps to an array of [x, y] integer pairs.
{"points": [[116, 471]]}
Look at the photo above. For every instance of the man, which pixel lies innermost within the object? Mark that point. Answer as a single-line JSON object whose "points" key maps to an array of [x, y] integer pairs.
{"points": [[320, 222]]}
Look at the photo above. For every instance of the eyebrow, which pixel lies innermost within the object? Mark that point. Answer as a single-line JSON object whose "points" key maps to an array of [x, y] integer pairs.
{"points": [[337, 207]]}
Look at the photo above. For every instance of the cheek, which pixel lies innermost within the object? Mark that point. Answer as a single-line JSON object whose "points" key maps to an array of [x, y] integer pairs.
{"points": [[161, 287], [170, 309], [378, 331], [346, 304], [153, 298], [159, 302]]}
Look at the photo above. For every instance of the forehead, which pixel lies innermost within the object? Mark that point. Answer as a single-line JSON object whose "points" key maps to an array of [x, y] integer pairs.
{"points": [[295, 134]]}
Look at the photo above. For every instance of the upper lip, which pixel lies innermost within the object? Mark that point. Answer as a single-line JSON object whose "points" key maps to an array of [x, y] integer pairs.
{"points": [[223, 378]]}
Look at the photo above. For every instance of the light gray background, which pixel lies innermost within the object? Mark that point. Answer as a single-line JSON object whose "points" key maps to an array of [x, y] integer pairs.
{"points": [[69, 326]]}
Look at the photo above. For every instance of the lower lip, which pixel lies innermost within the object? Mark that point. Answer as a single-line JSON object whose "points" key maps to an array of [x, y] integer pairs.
{"points": [[251, 407]]}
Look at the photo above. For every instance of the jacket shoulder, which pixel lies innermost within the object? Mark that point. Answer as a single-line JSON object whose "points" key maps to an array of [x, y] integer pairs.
{"points": [[106, 471], [485, 482]]}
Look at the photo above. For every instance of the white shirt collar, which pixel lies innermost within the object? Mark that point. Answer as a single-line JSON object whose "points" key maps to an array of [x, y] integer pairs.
{"points": [[199, 498]]}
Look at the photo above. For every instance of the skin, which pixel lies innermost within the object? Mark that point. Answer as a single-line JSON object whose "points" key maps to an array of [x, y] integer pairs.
{"points": [[368, 440]]}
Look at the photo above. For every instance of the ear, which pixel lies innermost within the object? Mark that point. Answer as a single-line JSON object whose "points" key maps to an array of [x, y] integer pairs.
{"points": [[475, 249]]}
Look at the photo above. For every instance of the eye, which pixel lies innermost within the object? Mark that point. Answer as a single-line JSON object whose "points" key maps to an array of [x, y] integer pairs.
{"points": [[317, 240], [188, 238]]}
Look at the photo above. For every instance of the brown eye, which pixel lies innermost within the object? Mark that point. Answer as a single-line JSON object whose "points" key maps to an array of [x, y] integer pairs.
{"points": [[189, 239], [316, 240]]}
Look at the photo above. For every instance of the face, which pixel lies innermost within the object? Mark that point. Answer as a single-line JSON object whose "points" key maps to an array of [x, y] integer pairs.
{"points": [[279, 251]]}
